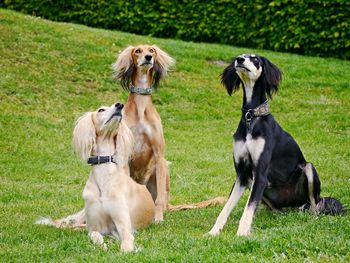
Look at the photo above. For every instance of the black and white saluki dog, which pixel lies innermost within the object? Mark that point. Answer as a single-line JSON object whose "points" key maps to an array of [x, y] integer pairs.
{"points": [[267, 159]]}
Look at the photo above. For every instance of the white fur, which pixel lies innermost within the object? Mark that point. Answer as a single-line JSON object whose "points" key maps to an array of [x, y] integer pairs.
{"points": [[240, 151], [255, 147], [246, 220], [236, 194], [249, 76], [310, 179]]}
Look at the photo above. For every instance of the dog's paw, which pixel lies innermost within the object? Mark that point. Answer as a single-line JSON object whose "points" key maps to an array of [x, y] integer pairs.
{"points": [[243, 232], [158, 221], [96, 238], [159, 218], [127, 246], [213, 232]]}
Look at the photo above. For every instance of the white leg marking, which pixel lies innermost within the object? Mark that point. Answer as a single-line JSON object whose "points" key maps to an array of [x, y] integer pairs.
{"points": [[246, 220], [236, 194], [310, 179], [255, 147], [240, 151]]}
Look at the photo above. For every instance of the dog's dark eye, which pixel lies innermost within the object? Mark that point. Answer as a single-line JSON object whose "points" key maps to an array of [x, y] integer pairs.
{"points": [[101, 110], [151, 50], [137, 51]]}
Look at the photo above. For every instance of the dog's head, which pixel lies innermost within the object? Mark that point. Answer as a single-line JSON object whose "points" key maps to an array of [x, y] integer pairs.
{"points": [[251, 67], [104, 124], [146, 58]]}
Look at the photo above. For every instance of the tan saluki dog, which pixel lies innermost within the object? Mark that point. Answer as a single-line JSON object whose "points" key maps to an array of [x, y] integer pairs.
{"points": [[140, 70], [114, 203]]}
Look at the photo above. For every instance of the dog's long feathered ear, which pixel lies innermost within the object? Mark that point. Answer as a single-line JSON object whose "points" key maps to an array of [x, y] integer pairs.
{"points": [[230, 79], [124, 144], [84, 136], [271, 77], [161, 65], [124, 67]]}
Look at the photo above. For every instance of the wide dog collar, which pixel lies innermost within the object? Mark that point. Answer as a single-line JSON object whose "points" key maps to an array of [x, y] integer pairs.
{"points": [[261, 110], [141, 91], [94, 160]]}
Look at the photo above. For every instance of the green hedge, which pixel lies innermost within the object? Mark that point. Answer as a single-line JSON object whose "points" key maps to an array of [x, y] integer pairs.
{"points": [[314, 27]]}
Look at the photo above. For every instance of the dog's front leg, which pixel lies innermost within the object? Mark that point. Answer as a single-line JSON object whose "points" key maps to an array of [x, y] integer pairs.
{"points": [[120, 215], [258, 186], [235, 195], [161, 173]]}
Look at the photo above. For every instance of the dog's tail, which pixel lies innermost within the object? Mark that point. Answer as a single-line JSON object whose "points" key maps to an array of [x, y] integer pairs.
{"points": [[214, 201], [74, 221], [330, 206]]}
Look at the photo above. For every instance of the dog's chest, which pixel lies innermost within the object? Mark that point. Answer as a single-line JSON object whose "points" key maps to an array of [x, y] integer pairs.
{"points": [[248, 149], [142, 133]]}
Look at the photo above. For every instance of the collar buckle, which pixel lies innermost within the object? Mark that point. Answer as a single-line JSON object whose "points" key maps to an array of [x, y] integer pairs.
{"points": [[250, 114]]}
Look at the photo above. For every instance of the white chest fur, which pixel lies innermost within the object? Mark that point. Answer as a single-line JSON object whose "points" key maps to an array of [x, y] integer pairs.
{"points": [[141, 133], [243, 150]]}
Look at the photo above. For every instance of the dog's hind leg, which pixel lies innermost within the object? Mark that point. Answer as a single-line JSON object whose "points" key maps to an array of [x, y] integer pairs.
{"points": [[314, 185], [235, 195]]}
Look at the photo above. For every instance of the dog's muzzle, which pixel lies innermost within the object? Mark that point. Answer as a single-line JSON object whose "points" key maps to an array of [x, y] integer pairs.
{"points": [[118, 112]]}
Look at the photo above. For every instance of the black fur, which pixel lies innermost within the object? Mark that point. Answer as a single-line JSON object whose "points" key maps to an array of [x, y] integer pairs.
{"points": [[158, 75], [125, 77], [230, 79], [330, 206], [271, 78]]}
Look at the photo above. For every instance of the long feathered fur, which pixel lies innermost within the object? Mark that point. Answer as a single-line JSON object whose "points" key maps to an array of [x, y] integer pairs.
{"points": [[84, 136], [124, 67], [162, 64], [124, 144]]}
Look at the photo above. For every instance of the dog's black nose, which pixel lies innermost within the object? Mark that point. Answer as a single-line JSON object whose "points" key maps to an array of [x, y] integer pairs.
{"points": [[148, 57], [240, 60], [119, 106]]}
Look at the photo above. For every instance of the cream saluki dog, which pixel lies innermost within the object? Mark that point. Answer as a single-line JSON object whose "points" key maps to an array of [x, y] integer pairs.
{"points": [[114, 203]]}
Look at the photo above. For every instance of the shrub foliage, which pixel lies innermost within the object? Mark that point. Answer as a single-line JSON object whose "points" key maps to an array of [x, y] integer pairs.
{"points": [[310, 27]]}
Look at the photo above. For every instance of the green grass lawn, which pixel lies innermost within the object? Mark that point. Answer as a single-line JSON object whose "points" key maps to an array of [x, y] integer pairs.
{"points": [[50, 73]]}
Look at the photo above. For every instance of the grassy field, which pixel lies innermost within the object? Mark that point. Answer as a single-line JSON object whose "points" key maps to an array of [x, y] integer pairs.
{"points": [[50, 73]]}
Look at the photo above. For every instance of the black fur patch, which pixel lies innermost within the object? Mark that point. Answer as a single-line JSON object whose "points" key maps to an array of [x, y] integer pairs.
{"points": [[330, 206], [125, 77], [271, 77], [230, 79]]}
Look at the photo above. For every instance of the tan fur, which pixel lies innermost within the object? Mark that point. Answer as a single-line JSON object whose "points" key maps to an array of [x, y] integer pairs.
{"points": [[148, 165], [114, 203]]}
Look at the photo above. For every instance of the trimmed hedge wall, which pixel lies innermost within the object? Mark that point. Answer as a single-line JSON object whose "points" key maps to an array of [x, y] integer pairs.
{"points": [[310, 27]]}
